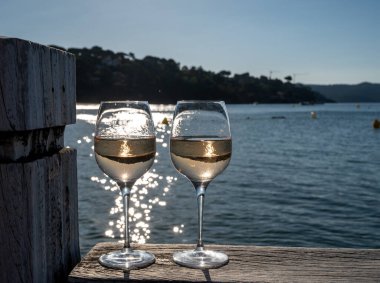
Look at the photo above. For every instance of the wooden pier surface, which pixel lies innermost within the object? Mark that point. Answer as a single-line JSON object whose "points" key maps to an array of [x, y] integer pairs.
{"points": [[247, 264]]}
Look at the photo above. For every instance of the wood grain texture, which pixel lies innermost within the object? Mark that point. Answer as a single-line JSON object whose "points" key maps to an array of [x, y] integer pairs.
{"points": [[27, 145], [39, 237], [247, 264], [37, 86]]}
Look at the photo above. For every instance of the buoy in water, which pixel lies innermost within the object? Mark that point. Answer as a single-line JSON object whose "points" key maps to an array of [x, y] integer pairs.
{"points": [[165, 121], [313, 115], [376, 124]]}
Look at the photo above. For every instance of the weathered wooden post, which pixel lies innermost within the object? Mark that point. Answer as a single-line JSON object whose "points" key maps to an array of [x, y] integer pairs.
{"points": [[38, 180]]}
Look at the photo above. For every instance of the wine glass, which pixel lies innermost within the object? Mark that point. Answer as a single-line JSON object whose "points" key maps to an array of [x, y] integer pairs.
{"points": [[125, 148], [200, 149]]}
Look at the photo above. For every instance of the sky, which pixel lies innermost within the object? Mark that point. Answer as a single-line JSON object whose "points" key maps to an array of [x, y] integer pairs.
{"points": [[314, 41]]}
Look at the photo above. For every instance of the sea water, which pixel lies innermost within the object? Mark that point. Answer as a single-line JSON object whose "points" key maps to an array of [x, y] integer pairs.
{"points": [[295, 179]]}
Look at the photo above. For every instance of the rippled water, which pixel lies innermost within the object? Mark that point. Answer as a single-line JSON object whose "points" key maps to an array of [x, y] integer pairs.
{"points": [[292, 181]]}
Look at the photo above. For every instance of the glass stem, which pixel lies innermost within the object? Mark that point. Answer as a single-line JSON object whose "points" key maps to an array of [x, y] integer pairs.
{"points": [[200, 190], [125, 192]]}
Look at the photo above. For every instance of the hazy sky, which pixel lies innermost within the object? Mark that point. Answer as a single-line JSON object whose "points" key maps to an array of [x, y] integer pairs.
{"points": [[320, 41]]}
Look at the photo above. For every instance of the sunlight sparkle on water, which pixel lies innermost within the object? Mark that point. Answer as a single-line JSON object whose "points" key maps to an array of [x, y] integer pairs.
{"points": [[87, 139], [89, 118], [109, 233], [141, 205], [177, 230]]}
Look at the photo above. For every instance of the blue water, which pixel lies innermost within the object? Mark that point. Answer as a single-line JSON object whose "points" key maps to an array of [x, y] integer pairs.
{"points": [[295, 181]]}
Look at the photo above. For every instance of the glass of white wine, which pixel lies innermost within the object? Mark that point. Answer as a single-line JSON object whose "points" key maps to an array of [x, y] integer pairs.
{"points": [[125, 148], [200, 149]]}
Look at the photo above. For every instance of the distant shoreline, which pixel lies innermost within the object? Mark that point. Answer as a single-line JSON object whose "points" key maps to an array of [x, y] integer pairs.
{"points": [[358, 93]]}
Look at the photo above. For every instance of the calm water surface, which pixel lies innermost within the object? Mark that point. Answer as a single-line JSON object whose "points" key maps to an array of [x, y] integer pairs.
{"points": [[294, 181]]}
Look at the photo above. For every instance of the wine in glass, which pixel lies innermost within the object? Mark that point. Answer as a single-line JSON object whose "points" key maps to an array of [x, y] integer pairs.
{"points": [[125, 148], [200, 149]]}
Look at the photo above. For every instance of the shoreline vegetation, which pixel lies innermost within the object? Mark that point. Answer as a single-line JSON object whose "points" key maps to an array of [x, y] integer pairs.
{"points": [[106, 75]]}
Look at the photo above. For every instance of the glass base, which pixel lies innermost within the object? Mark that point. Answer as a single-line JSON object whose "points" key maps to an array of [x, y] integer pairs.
{"points": [[127, 259], [200, 259]]}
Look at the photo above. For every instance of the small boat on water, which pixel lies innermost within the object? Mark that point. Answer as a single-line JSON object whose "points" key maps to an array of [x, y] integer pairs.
{"points": [[306, 103], [376, 124]]}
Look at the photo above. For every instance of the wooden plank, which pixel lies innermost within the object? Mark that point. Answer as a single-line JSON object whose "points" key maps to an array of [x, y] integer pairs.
{"points": [[39, 237], [247, 264], [37, 86]]}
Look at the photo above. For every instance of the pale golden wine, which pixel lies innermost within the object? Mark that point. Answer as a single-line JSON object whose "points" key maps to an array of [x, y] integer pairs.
{"points": [[200, 159], [125, 160]]}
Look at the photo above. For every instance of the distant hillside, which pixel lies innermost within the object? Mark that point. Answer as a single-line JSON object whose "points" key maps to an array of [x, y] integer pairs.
{"points": [[106, 75], [364, 92]]}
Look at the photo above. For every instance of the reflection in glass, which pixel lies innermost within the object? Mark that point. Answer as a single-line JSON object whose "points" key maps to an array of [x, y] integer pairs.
{"points": [[125, 148], [200, 149]]}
